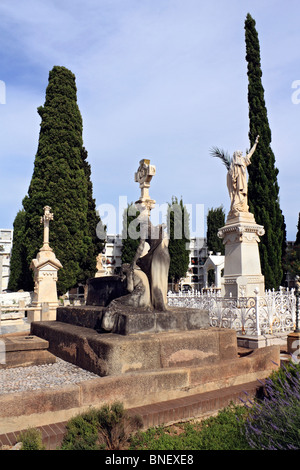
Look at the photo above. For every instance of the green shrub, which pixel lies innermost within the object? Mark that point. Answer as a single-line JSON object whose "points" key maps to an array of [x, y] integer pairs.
{"points": [[221, 432], [31, 439], [107, 428], [81, 432]]}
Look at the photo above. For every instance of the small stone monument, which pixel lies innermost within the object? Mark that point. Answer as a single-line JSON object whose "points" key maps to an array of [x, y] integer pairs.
{"points": [[45, 267], [100, 268], [242, 269], [143, 176]]}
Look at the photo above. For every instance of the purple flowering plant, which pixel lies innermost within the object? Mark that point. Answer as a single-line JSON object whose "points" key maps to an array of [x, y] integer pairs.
{"points": [[273, 423]]}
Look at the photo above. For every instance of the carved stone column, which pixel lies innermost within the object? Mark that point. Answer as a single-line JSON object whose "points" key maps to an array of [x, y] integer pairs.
{"points": [[242, 269]]}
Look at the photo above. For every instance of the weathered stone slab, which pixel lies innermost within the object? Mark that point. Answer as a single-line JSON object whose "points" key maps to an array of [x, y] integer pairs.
{"points": [[88, 316], [21, 351], [175, 319], [114, 354], [102, 290], [130, 320]]}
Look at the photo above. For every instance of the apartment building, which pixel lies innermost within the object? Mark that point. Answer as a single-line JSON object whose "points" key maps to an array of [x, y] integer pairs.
{"points": [[112, 253], [194, 278], [6, 240]]}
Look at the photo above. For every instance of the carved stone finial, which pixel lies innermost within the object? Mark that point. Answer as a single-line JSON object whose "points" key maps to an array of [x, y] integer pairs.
{"points": [[143, 176], [45, 220]]}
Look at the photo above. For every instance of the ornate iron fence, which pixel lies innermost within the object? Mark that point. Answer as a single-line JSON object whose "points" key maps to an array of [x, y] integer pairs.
{"points": [[275, 312]]}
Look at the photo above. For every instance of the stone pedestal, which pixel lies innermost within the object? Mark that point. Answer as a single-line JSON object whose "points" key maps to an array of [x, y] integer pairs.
{"points": [[242, 269], [45, 300], [293, 344], [113, 354], [100, 269]]}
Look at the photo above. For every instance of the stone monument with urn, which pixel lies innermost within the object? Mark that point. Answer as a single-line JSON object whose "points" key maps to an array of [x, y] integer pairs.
{"points": [[241, 234]]}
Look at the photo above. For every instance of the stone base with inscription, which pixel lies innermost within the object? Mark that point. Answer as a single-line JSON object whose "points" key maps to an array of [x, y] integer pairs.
{"points": [[242, 269]]}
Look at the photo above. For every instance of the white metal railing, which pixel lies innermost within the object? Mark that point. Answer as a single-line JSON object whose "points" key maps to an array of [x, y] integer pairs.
{"points": [[12, 312], [274, 312]]}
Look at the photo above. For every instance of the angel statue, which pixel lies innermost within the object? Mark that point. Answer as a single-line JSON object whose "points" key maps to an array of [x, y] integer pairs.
{"points": [[236, 177]]}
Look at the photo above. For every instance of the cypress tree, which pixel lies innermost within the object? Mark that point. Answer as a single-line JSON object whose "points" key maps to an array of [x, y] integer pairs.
{"points": [[263, 189], [179, 239], [61, 180], [215, 220], [93, 219], [292, 256], [297, 241], [129, 244], [18, 255]]}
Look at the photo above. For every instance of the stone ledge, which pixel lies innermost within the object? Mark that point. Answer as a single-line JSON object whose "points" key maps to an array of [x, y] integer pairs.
{"points": [[130, 320], [35, 408], [158, 414]]}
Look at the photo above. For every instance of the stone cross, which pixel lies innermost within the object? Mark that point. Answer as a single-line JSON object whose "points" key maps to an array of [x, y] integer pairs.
{"points": [[143, 176], [45, 220]]}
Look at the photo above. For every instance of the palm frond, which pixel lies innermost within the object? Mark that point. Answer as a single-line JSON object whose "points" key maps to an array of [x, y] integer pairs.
{"points": [[224, 156]]}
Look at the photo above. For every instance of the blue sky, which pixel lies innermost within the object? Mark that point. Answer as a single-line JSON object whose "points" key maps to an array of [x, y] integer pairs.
{"points": [[158, 79]]}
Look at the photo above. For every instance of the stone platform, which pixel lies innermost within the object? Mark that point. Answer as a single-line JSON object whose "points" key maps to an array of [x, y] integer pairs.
{"points": [[173, 354], [24, 350], [130, 320], [138, 389], [113, 354]]}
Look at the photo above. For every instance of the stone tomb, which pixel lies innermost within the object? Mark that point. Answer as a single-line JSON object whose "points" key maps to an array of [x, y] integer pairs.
{"points": [[113, 354], [77, 336], [24, 350], [143, 350], [150, 357]]}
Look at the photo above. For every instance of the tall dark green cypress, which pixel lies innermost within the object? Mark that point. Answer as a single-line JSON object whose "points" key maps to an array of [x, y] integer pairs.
{"points": [[297, 241], [215, 220], [18, 263], [61, 179], [263, 189], [178, 222], [130, 244], [93, 219]]}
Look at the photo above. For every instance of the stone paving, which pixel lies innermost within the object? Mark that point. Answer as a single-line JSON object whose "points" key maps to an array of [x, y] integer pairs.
{"points": [[44, 376]]}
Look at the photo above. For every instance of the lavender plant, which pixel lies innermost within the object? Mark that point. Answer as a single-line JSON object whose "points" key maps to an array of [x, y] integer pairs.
{"points": [[274, 422]]}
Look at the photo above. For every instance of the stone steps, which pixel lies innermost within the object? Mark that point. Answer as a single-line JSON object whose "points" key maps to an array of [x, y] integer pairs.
{"points": [[164, 413]]}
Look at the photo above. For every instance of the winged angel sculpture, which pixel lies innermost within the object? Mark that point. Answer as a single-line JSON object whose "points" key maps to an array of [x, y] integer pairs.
{"points": [[236, 177]]}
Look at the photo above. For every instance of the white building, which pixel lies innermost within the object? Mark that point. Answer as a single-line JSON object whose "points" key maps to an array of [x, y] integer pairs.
{"points": [[6, 240], [195, 276], [216, 263], [112, 254]]}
